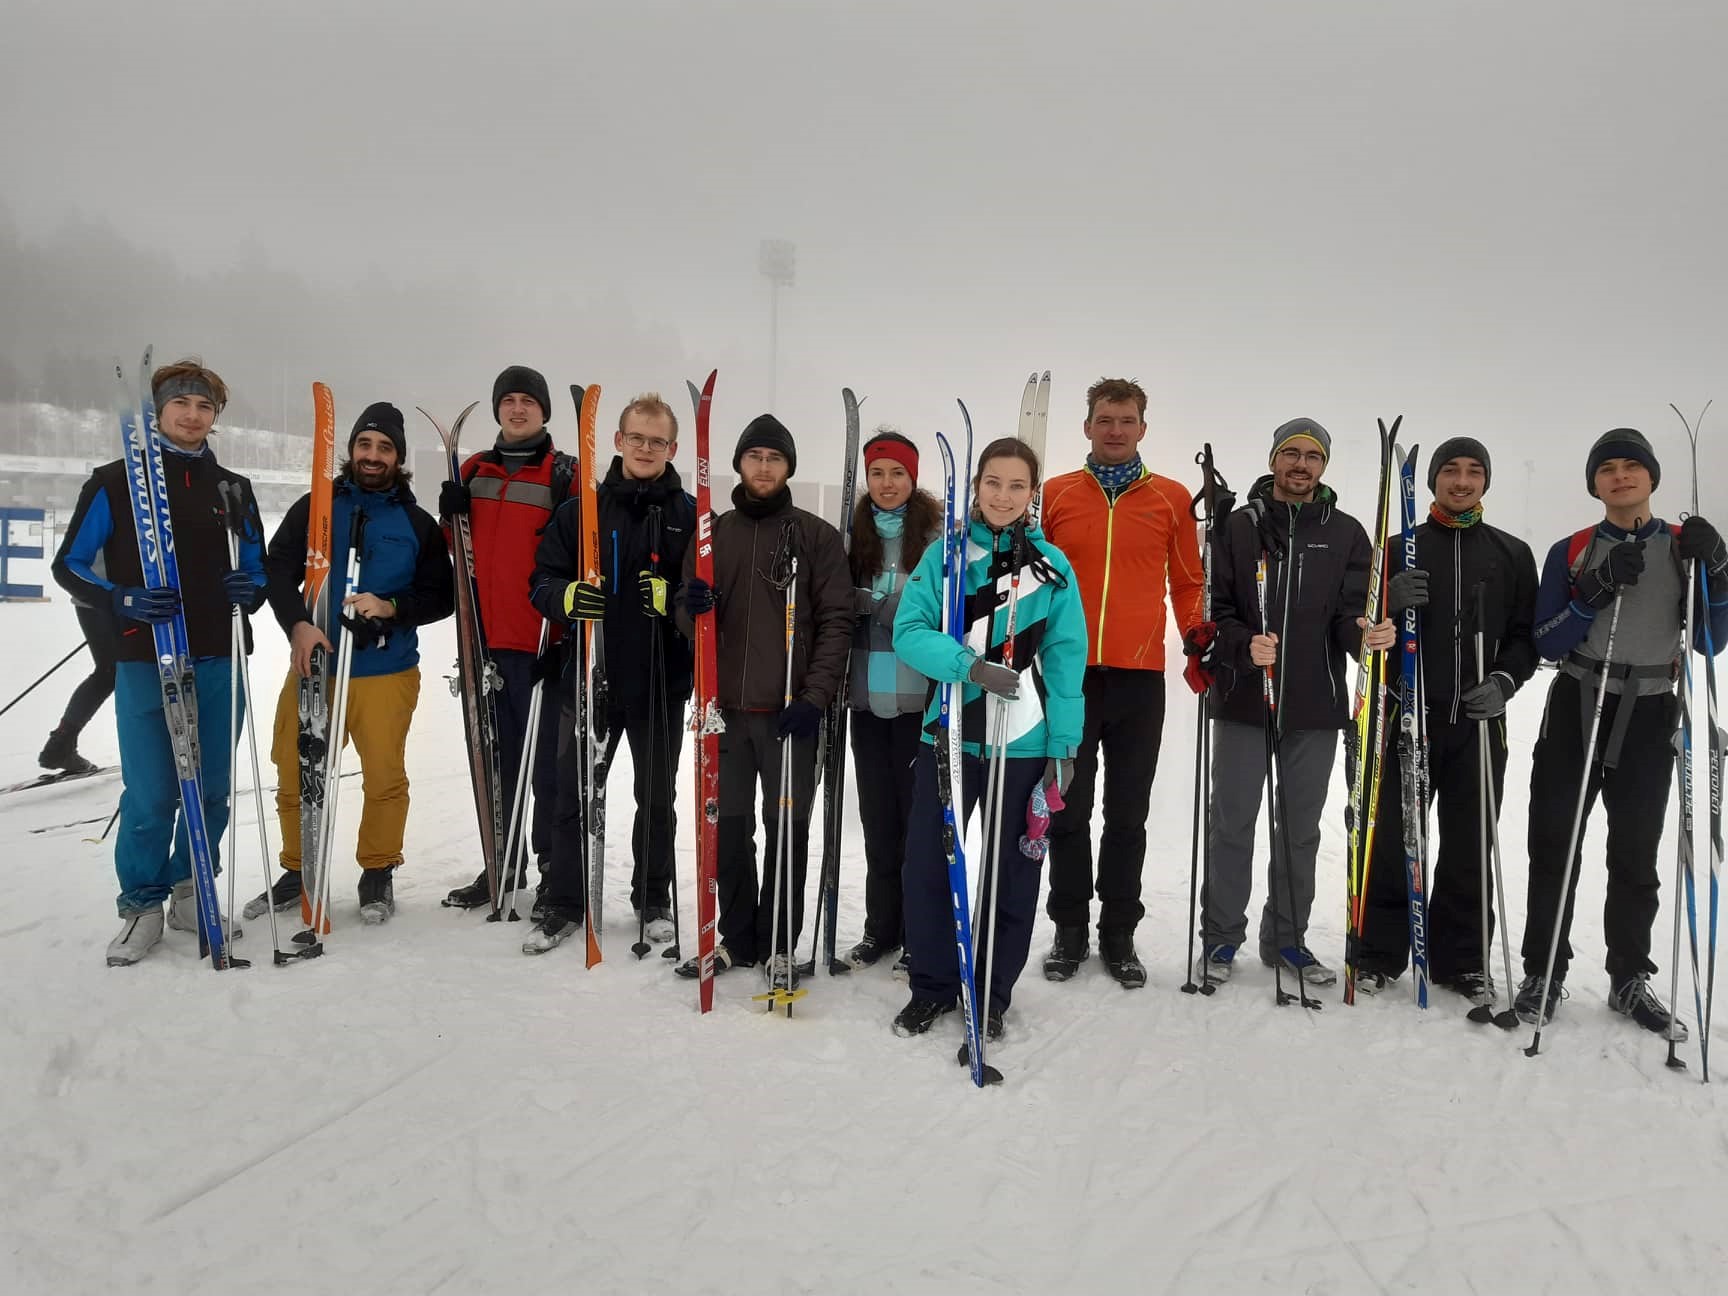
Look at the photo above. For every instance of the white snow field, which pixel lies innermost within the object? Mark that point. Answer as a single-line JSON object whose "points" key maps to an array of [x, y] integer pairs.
{"points": [[427, 1110]]}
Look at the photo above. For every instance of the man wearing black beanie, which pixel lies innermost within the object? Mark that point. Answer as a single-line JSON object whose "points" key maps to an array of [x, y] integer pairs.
{"points": [[1610, 612], [404, 582], [755, 546], [509, 494], [1468, 577]]}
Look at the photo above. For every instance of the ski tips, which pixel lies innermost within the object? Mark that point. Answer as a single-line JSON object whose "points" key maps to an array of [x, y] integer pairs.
{"points": [[443, 432], [1693, 426], [965, 414], [456, 427]]}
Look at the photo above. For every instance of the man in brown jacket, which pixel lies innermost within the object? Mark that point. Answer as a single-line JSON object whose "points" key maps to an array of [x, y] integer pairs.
{"points": [[761, 548]]}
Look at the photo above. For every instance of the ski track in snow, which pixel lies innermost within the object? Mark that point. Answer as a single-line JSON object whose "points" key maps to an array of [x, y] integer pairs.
{"points": [[426, 1110]]}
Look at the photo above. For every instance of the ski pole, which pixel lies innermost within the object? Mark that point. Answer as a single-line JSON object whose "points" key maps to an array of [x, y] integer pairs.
{"points": [[1573, 855], [234, 509], [337, 740], [999, 775], [521, 794], [1489, 844], [44, 675], [1276, 811], [641, 948], [1204, 505]]}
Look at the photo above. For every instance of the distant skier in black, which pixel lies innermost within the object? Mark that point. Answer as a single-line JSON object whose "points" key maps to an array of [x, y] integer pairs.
{"points": [[1457, 553], [60, 752]]}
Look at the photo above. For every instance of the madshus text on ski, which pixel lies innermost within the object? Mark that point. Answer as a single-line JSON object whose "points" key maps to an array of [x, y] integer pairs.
{"points": [[993, 655]]}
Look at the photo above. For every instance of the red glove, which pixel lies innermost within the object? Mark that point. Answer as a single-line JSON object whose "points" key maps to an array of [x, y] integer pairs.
{"points": [[1197, 647]]}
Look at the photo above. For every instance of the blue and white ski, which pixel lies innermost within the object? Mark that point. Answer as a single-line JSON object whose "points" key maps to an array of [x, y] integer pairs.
{"points": [[949, 747]]}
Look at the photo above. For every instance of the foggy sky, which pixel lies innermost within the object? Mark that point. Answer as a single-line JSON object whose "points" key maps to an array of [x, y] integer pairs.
{"points": [[1500, 220]]}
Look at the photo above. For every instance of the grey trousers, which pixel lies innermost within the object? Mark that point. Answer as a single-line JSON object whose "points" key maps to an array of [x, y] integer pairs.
{"points": [[1238, 793]]}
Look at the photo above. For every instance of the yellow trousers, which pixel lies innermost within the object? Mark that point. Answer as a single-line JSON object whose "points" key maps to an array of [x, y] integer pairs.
{"points": [[380, 708]]}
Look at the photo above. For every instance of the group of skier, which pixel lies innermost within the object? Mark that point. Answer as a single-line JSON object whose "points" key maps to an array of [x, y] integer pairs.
{"points": [[1017, 643]]}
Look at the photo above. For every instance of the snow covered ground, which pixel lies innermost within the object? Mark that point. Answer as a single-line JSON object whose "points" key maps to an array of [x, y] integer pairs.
{"points": [[425, 1109]]}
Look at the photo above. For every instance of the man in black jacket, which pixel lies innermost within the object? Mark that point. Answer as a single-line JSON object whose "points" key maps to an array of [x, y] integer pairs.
{"points": [[646, 521], [1317, 559], [1458, 554], [753, 548]]}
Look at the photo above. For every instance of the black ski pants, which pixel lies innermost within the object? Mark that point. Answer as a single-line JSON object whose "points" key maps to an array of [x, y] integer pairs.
{"points": [[1455, 885], [1635, 792], [654, 769], [96, 687], [751, 752], [883, 753], [654, 745], [930, 924], [1124, 719]]}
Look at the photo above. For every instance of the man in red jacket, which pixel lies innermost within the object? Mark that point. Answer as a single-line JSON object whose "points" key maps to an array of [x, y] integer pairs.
{"points": [[509, 494], [1130, 536]]}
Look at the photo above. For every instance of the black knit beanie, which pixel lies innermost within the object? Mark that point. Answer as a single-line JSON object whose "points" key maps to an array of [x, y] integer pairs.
{"points": [[766, 432], [530, 382], [1621, 443], [1460, 448], [381, 416]]}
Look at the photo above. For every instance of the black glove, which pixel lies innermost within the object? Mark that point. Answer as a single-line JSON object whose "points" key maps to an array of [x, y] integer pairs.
{"points": [[147, 606], [1488, 699], [368, 632], [583, 601], [1407, 589], [1622, 567], [1003, 681], [699, 596], [454, 499], [1060, 771], [548, 666], [863, 601], [1702, 542], [800, 720], [242, 590]]}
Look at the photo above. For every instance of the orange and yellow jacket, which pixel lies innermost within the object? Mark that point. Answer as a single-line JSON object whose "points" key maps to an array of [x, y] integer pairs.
{"points": [[1126, 556]]}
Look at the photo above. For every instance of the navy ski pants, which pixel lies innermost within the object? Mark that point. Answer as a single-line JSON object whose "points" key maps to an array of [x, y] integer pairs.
{"points": [[931, 942]]}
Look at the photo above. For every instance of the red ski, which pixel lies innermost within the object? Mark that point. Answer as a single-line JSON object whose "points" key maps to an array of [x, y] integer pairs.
{"points": [[705, 715]]}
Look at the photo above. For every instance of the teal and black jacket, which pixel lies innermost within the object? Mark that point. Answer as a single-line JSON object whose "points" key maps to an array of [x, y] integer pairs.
{"points": [[1049, 640]]}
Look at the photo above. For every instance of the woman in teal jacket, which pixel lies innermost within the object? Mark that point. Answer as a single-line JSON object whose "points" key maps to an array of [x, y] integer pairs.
{"points": [[1045, 711]]}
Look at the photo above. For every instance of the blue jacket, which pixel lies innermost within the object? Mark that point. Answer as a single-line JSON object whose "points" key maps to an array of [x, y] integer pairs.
{"points": [[1049, 640], [403, 558]]}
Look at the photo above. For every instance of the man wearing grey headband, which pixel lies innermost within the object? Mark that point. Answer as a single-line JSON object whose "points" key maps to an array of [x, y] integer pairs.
{"points": [[99, 565]]}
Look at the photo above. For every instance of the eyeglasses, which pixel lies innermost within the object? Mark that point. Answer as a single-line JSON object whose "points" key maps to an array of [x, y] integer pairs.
{"points": [[1293, 456], [764, 458], [637, 441]]}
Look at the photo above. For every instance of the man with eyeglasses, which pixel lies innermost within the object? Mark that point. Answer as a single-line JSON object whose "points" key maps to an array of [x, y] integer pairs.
{"points": [[509, 494], [763, 546], [646, 521], [1316, 560]]}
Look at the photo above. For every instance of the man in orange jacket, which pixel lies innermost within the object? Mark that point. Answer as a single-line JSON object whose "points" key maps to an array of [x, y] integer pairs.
{"points": [[1131, 538]]}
